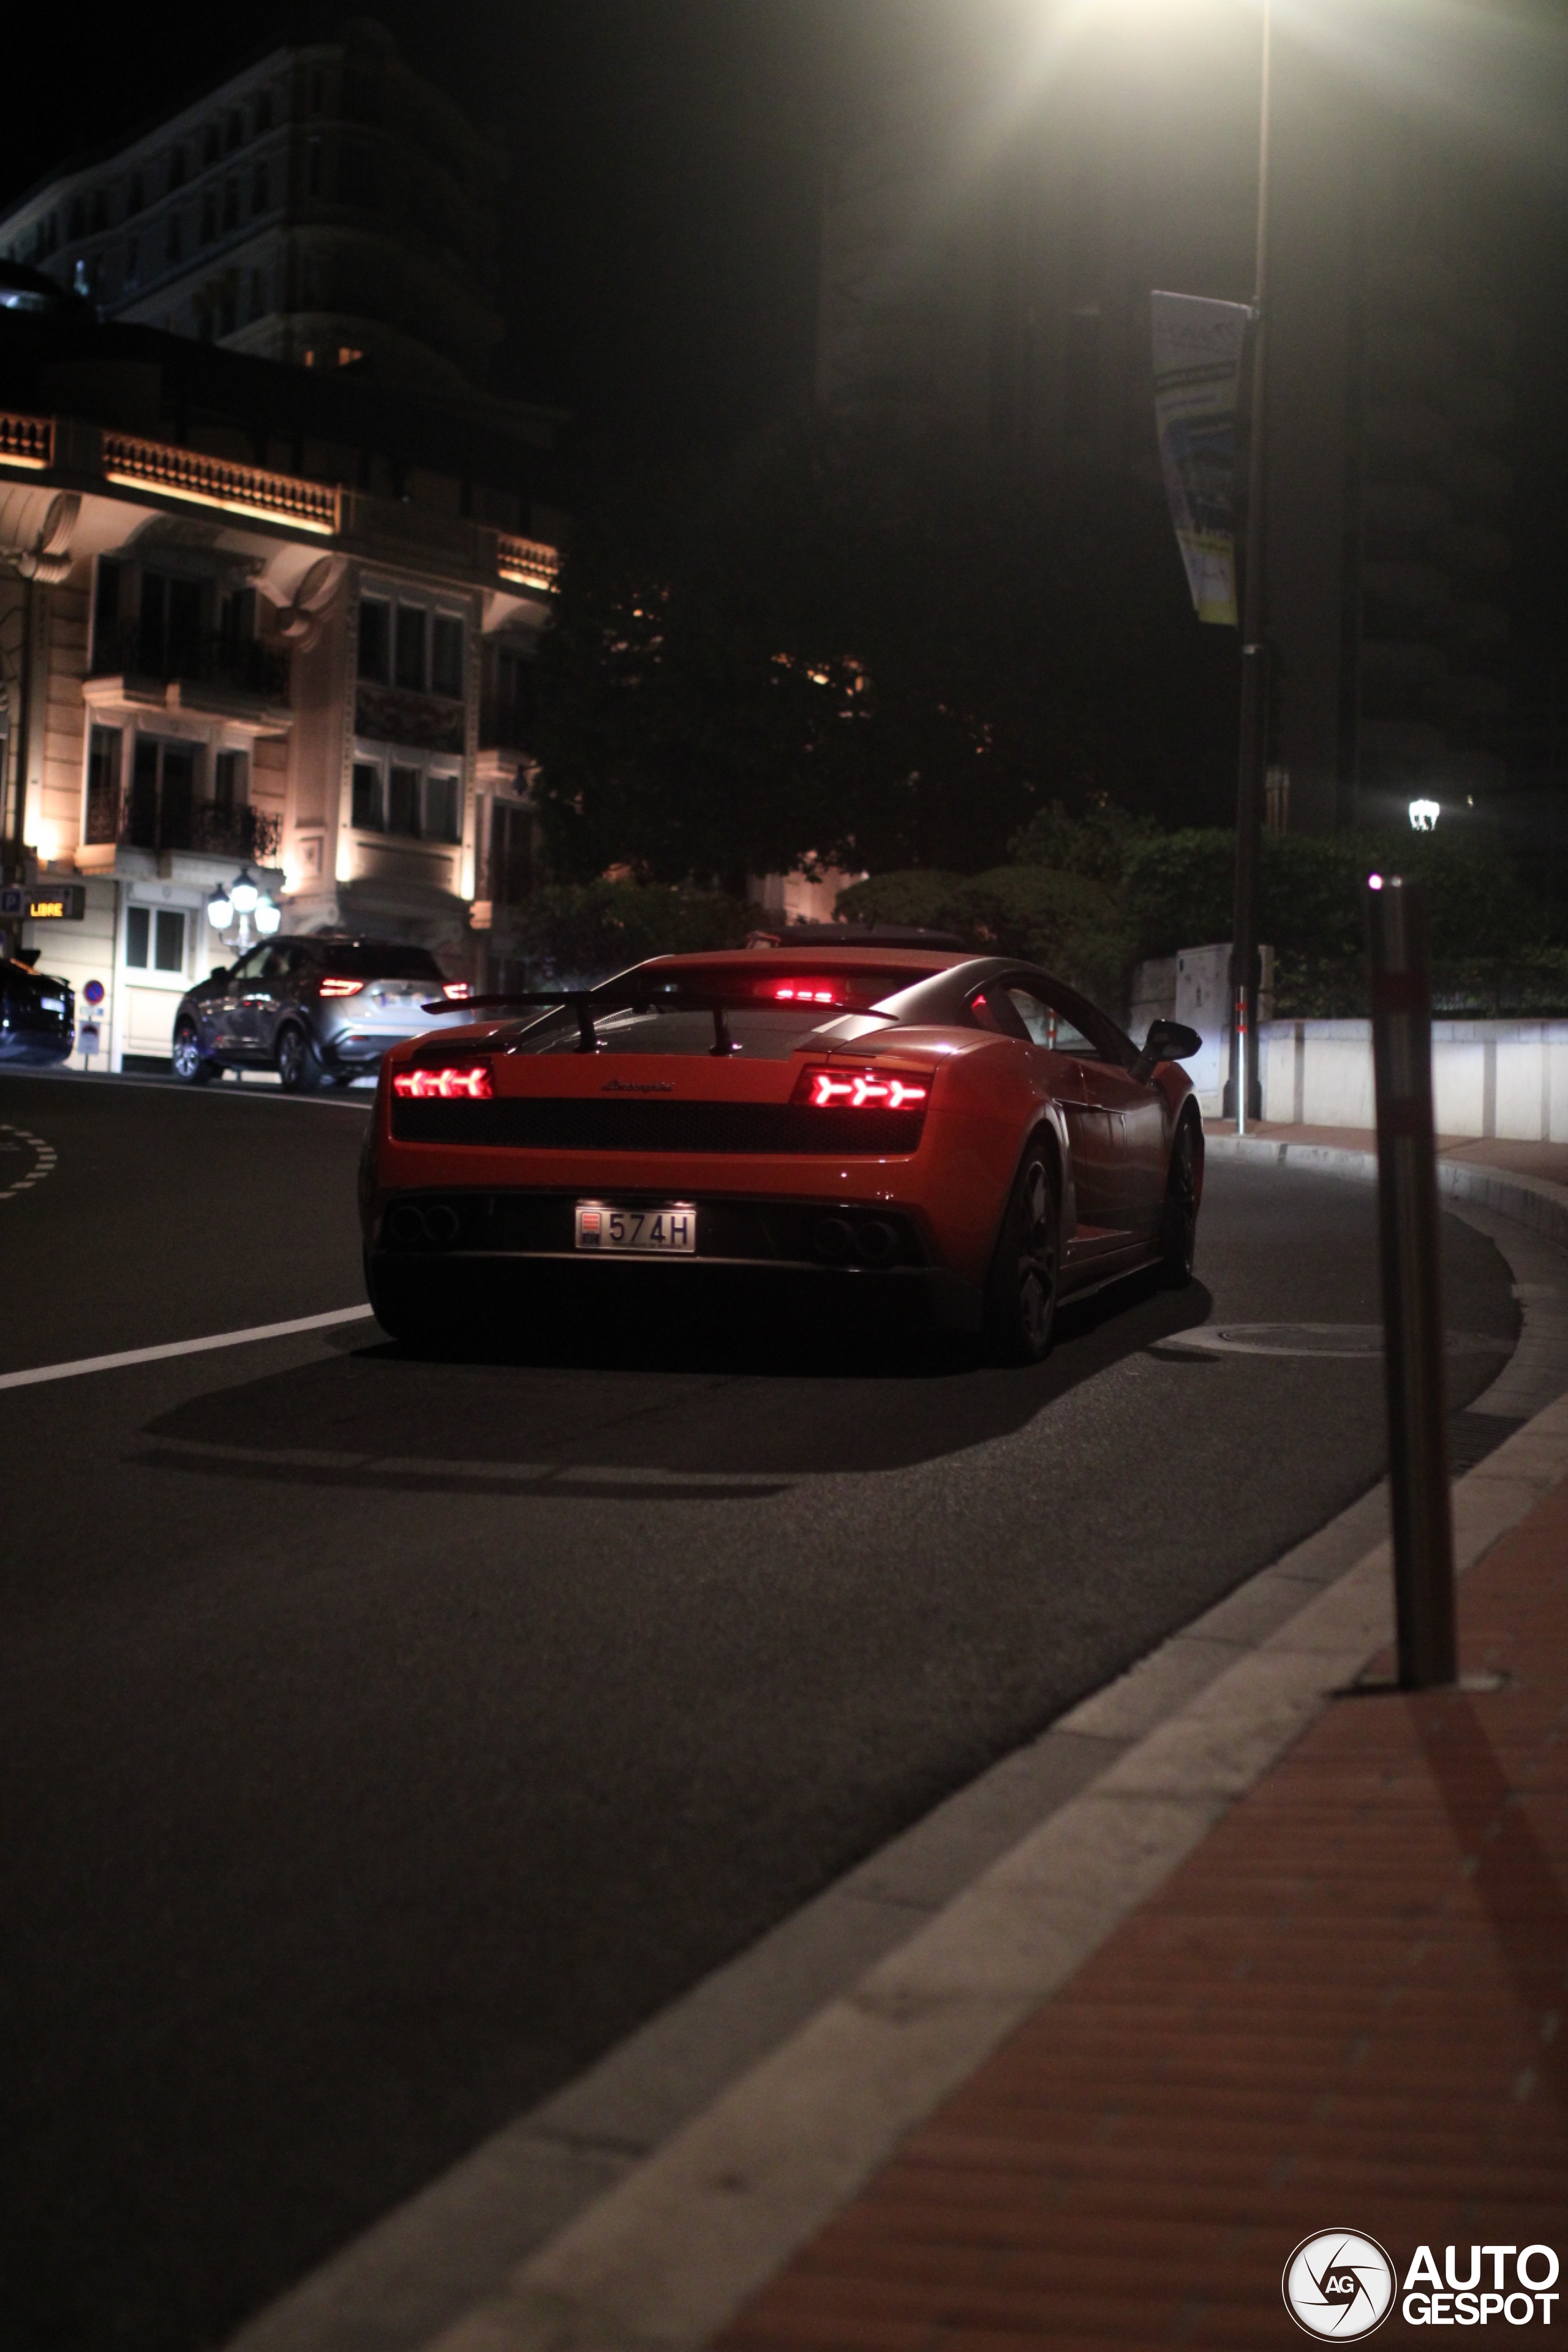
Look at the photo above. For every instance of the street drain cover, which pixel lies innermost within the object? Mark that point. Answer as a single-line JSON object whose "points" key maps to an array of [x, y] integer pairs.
{"points": [[1311, 1339]]}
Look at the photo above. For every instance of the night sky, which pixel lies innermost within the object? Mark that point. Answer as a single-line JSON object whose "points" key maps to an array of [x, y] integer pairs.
{"points": [[660, 232]]}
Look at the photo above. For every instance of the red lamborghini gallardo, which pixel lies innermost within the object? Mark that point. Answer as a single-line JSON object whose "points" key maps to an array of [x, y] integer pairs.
{"points": [[957, 1134]]}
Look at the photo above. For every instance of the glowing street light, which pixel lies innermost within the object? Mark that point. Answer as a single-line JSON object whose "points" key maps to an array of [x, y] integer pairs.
{"points": [[1424, 815]]}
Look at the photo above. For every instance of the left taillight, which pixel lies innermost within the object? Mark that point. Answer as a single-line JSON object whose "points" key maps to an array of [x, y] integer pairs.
{"points": [[849, 1090], [331, 987], [468, 1083], [456, 989]]}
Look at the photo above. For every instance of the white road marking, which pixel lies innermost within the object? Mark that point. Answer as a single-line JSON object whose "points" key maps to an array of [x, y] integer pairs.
{"points": [[72, 1371], [43, 1160]]}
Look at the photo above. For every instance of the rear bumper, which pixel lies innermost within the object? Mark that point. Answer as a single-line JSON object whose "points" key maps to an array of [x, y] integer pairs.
{"points": [[485, 1287]]}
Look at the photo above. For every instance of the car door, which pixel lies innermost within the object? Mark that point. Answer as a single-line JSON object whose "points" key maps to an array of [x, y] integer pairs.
{"points": [[1120, 1118], [265, 999], [224, 1010], [1100, 1227]]}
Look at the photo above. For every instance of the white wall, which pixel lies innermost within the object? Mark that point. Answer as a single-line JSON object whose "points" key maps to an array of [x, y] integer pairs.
{"points": [[1507, 1078]]}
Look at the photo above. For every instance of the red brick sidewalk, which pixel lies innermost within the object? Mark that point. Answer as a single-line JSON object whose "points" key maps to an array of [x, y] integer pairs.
{"points": [[1344, 2012]]}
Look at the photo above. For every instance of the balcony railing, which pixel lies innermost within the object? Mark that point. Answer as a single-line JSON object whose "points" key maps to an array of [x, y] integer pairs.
{"points": [[218, 482], [147, 820], [26, 440], [241, 665], [531, 563]]}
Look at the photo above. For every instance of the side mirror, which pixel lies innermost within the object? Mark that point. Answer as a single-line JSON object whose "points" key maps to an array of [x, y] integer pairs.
{"points": [[218, 972], [1168, 1041]]}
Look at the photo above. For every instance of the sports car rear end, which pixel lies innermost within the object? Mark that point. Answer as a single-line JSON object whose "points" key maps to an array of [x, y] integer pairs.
{"points": [[779, 1136]]}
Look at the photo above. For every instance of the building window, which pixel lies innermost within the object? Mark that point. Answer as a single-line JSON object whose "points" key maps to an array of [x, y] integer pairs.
{"points": [[263, 111], [446, 656], [102, 785], [367, 810], [410, 644], [209, 216], [173, 242], [99, 212], [162, 794], [236, 132], [134, 196], [403, 801], [444, 808], [230, 205], [512, 852], [210, 146], [258, 293], [260, 192], [374, 624], [133, 261], [228, 781], [155, 938], [357, 178], [228, 304], [318, 91], [176, 169], [313, 167], [76, 222]]}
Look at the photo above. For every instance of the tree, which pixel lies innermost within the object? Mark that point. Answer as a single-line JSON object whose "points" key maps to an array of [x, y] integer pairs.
{"points": [[885, 653]]}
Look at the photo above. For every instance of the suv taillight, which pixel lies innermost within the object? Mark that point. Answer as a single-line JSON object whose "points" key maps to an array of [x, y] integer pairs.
{"points": [[331, 987]]}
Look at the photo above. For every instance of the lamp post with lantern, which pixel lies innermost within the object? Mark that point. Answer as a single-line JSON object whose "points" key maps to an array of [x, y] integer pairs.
{"points": [[244, 904]]}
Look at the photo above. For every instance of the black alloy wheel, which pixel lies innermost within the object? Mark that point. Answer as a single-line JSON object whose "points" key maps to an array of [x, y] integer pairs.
{"points": [[1179, 1216], [1026, 1272], [192, 1066], [299, 1070]]}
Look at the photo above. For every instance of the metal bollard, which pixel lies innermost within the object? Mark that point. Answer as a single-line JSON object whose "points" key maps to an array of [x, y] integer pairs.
{"points": [[1413, 1337]]}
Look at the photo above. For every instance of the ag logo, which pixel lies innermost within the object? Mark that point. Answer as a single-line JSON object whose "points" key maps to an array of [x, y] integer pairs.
{"points": [[1339, 2283]]}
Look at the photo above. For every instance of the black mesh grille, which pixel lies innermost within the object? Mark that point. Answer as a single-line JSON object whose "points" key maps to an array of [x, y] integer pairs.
{"points": [[573, 1124]]}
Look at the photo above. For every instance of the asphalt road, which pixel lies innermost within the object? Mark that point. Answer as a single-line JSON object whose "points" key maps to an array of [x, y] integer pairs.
{"points": [[382, 1739]]}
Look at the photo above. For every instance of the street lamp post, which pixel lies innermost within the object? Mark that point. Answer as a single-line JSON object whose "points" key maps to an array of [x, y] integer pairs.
{"points": [[1242, 1094]]}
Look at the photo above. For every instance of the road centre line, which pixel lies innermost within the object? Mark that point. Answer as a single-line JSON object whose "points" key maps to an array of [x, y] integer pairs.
{"points": [[37, 1373]]}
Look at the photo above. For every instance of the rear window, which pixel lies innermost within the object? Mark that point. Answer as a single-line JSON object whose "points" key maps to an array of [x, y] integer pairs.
{"points": [[378, 960]]}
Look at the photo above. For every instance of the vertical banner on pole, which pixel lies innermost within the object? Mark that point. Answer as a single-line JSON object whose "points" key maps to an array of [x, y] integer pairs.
{"points": [[1198, 350], [1413, 1331]]}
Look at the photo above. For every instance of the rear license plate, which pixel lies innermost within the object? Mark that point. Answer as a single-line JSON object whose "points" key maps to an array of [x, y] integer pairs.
{"points": [[664, 1233]]}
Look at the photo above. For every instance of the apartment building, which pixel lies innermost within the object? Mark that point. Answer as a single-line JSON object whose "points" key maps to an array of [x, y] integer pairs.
{"points": [[255, 621], [326, 206]]}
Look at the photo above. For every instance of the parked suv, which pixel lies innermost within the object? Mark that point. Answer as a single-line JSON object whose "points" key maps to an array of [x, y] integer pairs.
{"points": [[37, 1014], [320, 1012]]}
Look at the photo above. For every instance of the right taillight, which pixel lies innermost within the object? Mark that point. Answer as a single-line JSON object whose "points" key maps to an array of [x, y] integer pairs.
{"points": [[825, 1088]]}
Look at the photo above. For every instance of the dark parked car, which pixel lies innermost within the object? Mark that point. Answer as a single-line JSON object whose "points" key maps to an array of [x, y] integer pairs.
{"points": [[320, 1012], [37, 1013]]}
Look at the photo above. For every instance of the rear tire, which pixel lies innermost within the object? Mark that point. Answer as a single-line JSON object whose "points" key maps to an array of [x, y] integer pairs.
{"points": [[299, 1070], [1179, 1216], [191, 1066], [1025, 1271]]}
